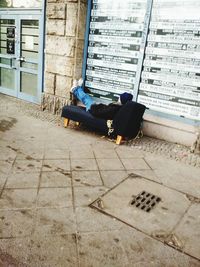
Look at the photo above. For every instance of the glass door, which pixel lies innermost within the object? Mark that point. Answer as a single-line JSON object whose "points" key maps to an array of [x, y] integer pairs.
{"points": [[21, 57], [29, 58], [8, 48]]}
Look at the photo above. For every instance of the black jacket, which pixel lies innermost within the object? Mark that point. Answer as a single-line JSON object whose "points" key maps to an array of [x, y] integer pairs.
{"points": [[103, 111]]}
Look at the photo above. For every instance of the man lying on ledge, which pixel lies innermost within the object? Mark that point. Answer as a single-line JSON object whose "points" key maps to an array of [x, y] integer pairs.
{"points": [[120, 120], [102, 111]]}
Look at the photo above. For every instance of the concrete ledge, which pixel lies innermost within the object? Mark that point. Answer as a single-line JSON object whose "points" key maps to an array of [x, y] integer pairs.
{"points": [[170, 130]]}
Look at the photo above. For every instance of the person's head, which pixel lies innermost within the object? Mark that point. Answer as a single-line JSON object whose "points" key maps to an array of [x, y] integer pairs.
{"points": [[125, 97]]}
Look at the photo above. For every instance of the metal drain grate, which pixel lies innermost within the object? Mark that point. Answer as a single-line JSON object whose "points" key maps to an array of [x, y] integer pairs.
{"points": [[145, 201]]}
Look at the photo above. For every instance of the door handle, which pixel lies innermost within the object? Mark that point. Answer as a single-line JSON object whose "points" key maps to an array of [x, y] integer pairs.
{"points": [[21, 59]]}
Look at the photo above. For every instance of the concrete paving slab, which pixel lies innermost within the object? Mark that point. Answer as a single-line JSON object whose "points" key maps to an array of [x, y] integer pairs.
{"points": [[144, 251], [32, 153], [18, 198], [54, 197], [183, 178], [188, 231], [14, 252], [105, 153], [31, 165], [149, 174], [56, 153], [90, 220], [174, 175], [83, 196], [61, 165], [163, 217], [7, 153], [66, 138], [23, 180], [81, 152], [105, 142], [5, 166], [84, 164], [55, 221], [7, 123], [110, 164], [51, 143], [53, 130], [29, 146], [11, 222], [125, 152], [24, 148], [112, 178], [135, 164], [156, 162], [3, 178], [55, 179], [51, 250], [29, 124], [101, 249], [86, 178], [30, 136], [3, 143], [23, 137]]}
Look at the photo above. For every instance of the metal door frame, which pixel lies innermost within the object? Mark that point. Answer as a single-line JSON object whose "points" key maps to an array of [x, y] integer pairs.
{"points": [[7, 56], [18, 15]]}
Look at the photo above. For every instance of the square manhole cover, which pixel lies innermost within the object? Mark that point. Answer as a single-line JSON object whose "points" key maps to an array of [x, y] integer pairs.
{"points": [[124, 202]]}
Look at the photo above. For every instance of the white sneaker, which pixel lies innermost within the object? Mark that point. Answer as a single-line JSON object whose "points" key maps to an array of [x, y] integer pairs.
{"points": [[74, 85], [80, 82]]}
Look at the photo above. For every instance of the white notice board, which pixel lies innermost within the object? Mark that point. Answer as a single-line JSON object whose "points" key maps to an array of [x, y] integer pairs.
{"points": [[117, 36], [170, 80]]}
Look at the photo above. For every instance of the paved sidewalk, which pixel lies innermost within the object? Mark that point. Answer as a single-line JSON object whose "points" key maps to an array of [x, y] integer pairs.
{"points": [[50, 175]]}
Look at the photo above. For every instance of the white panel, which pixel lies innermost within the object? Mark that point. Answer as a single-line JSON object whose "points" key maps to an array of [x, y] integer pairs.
{"points": [[170, 80], [114, 50]]}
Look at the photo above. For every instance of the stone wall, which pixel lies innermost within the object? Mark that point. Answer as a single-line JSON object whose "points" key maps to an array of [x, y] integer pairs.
{"points": [[64, 44]]}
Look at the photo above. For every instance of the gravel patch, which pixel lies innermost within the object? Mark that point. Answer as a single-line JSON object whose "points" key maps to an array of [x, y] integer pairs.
{"points": [[170, 150]]}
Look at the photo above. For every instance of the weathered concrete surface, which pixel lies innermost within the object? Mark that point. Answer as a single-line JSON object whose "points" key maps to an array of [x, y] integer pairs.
{"points": [[48, 177]]}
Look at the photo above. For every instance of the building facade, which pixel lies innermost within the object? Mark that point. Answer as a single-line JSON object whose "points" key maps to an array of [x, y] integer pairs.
{"points": [[148, 48]]}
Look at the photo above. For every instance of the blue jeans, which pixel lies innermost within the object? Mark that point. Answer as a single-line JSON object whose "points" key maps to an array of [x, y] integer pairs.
{"points": [[79, 93]]}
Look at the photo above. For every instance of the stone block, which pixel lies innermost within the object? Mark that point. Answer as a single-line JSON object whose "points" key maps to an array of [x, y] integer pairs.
{"points": [[72, 10], [72, 19], [68, 1], [79, 63], [79, 49], [63, 85], [82, 20], [78, 72], [58, 45], [59, 64], [64, 1], [55, 27], [79, 59], [71, 25], [49, 86], [53, 1], [56, 11]]}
